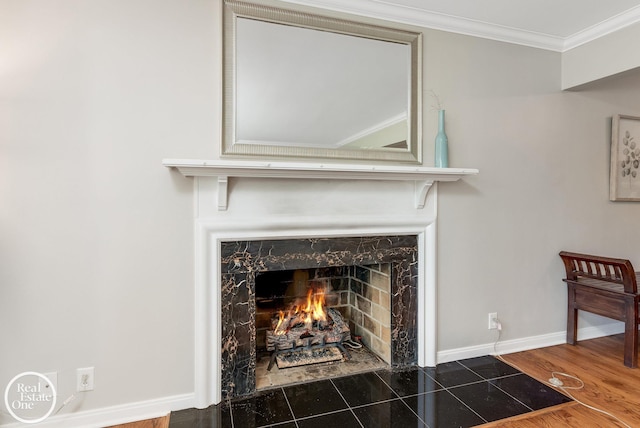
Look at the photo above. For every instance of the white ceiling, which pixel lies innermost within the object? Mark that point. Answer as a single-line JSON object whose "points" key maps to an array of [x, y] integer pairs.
{"points": [[557, 25]]}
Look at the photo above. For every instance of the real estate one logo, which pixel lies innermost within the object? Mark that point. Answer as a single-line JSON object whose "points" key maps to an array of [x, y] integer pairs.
{"points": [[30, 397]]}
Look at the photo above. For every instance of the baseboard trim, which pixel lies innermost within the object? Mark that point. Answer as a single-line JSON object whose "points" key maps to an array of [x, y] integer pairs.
{"points": [[114, 415], [527, 343], [142, 410]]}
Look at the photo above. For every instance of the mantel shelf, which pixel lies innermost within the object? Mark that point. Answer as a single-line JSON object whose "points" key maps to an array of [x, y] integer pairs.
{"points": [[423, 177]]}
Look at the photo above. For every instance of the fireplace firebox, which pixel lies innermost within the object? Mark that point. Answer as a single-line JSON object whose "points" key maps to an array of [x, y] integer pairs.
{"points": [[303, 328], [260, 278]]}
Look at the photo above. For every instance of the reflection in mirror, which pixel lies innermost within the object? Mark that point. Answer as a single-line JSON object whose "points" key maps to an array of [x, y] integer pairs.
{"points": [[305, 85], [356, 86]]}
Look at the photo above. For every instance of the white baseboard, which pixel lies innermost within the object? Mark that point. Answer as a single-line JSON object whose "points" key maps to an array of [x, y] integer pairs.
{"points": [[115, 415], [160, 407], [527, 343]]}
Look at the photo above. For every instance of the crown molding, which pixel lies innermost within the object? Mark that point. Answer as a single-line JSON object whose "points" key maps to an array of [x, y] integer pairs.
{"points": [[611, 25], [438, 21]]}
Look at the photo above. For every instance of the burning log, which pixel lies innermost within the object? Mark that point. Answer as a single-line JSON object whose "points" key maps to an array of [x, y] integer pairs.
{"points": [[306, 314], [334, 331], [308, 325]]}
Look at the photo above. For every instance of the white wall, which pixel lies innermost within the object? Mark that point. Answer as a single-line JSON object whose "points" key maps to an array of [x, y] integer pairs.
{"points": [[543, 187], [96, 246], [96, 238]]}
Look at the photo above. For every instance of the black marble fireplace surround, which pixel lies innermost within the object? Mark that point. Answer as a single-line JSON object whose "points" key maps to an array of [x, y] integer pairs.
{"points": [[242, 260]]}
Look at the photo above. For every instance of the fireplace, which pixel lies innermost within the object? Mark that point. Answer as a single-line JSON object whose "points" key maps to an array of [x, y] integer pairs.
{"points": [[253, 201], [241, 262], [213, 313]]}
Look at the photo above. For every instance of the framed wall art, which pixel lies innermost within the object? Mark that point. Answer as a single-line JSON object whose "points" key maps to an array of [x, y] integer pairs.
{"points": [[624, 179]]}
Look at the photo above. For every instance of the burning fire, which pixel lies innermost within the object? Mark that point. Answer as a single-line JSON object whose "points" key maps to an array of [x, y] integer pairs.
{"points": [[304, 313]]}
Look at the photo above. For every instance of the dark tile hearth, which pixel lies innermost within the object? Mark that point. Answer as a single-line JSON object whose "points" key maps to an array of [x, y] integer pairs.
{"points": [[463, 393]]}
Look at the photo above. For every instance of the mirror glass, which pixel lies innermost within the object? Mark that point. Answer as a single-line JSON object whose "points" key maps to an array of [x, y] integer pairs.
{"points": [[309, 86]]}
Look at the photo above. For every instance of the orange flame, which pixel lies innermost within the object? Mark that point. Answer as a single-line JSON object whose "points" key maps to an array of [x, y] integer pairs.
{"points": [[310, 311], [317, 303], [280, 320]]}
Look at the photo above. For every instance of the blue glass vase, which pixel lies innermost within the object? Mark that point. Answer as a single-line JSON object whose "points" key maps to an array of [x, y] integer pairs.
{"points": [[442, 144]]}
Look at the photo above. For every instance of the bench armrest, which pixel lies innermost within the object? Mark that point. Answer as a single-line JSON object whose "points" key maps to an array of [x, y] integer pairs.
{"points": [[618, 271]]}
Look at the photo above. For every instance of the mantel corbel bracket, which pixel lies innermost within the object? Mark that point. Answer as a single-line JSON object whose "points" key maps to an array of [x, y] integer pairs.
{"points": [[223, 193], [422, 189]]}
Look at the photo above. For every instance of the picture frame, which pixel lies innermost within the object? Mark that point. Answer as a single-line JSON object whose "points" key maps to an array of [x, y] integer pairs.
{"points": [[624, 178]]}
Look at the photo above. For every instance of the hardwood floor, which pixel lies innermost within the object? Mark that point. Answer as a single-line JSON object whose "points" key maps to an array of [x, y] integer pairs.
{"points": [[608, 385], [148, 423]]}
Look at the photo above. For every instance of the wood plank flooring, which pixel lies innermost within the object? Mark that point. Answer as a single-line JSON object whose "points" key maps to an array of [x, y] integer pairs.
{"points": [[608, 385], [162, 422]]}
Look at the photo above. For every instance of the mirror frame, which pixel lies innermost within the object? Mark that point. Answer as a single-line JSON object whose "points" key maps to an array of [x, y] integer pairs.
{"points": [[236, 9]]}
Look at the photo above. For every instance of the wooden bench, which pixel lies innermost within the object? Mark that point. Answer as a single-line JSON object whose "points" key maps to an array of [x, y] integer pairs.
{"points": [[607, 287]]}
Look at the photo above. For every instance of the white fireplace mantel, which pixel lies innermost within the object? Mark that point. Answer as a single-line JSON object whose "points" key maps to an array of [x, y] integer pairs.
{"points": [[262, 224], [423, 177]]}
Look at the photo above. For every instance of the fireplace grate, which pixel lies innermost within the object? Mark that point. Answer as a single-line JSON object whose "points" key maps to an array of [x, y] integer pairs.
{"points": [[306, 356]]}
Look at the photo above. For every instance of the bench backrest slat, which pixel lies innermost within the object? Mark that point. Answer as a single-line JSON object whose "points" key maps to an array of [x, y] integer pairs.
{"points": [[619, 271]]}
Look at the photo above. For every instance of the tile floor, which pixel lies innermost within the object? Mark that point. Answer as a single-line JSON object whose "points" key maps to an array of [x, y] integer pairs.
{"points": [[463, 393]]}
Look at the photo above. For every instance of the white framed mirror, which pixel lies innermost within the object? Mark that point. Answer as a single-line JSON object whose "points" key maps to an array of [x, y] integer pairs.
{"points": [[304, 85]]}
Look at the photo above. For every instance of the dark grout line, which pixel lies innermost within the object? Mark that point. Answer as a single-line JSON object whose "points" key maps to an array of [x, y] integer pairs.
{"points": [[231, 412], [345, 401], [447, 389], [293, 415], [388, 386], [467, 406], [333, 412], [432, 378], [465, 384], [530, 409], [404, 402], [376, 402], [496, 386], [508, 375]]}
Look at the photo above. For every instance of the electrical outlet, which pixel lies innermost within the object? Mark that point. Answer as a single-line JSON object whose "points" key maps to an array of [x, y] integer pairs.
{"points": [[53, 381], [84, 379], [493, 323]]}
